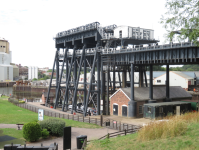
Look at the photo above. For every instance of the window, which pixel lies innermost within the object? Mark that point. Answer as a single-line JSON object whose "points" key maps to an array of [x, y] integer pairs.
{"points": [[149, 109], [160, 109], [120, 32], [158, 81], [140, 109]]}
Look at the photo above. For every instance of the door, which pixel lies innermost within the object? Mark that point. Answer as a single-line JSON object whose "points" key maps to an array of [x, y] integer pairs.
{"points": [[124, 111], [115, 110], [177, 110]]}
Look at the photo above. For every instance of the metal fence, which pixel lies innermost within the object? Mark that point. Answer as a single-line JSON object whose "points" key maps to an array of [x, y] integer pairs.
{"points": [[117, 125]]}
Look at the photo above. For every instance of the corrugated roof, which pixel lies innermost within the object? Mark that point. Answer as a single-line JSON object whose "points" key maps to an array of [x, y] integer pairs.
{"points": [[156, 73], [142, 93], [166, 103], [182, 74], [189, 73]]}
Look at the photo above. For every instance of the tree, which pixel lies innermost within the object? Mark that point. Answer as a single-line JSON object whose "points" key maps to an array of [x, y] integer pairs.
{"points": [[182, 17]]}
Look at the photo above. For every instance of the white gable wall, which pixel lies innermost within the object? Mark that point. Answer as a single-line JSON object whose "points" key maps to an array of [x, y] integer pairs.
{"points": [[174, 80], [124, 30]]}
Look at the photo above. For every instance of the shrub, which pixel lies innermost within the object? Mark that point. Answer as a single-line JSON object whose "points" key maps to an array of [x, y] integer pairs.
{"points": [[54, 126], [31, 131], [44, 133]]}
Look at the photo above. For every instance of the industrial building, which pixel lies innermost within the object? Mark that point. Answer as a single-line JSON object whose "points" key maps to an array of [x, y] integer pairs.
{"points": [[6, 70], [32, 72], [120, 99]]}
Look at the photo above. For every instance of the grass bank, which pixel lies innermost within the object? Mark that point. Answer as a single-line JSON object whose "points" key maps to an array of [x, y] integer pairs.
{"points": [[177, 133], [12, 114]]}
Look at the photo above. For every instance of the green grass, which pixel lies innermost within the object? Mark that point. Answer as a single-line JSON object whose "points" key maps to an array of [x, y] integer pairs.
{"points": [[11, 114], [13, 132], [188, 141]]}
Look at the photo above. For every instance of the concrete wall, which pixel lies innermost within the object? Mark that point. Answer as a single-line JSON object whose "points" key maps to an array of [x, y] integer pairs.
{"points": [[6, 73], [4, 46]]}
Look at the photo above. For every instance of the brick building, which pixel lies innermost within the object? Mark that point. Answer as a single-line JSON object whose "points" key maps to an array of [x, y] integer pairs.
{"points": [[119, 100]]}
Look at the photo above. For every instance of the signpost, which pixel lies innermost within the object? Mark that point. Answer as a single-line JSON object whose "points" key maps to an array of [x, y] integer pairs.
{"points": [[40, 114]]}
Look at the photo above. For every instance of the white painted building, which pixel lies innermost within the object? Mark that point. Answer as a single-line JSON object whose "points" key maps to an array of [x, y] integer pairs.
{"points": [[6, 70], [176, 78], [133, 32], [32, 72]]}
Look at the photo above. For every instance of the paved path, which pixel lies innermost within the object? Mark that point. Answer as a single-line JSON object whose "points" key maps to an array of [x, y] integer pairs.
{"points": [[136, 121], [91, 135]]}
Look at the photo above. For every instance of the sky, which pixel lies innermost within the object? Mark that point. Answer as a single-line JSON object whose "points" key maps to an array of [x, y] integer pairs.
{"points": [[30, 25]]}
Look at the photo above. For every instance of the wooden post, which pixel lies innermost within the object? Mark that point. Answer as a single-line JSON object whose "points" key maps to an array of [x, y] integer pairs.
{"points": [[116, 125], [127, 126], [89, 120], [125, 131], [77, 117], [68, 116], [63, 116], [51, 114], [83, 118], [101, 120], [108, 135], [73, 117], [59, 115], [96, 121]]}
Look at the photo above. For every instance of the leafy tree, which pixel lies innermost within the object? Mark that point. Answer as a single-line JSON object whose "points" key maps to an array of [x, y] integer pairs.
{"points": [[182, 16], [34, 79]]}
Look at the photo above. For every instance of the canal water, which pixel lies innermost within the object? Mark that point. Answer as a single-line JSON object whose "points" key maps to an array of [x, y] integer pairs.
{"points": [[22, 95]]}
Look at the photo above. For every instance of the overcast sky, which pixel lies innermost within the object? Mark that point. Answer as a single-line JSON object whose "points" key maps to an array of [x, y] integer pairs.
{"points": [[30, 25]]}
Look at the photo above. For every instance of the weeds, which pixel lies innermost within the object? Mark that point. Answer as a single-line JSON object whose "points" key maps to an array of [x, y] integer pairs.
{"points": [[174, 126]]}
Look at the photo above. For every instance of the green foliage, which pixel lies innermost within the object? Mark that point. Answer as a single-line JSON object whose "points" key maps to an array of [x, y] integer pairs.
{"points": [[53, 125], [21, 101], [34, 79], [44, 133], [31, 131], [182, 16]]}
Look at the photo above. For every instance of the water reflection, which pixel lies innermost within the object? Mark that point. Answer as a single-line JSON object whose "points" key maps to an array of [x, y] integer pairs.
{"points": [[21, 95]]}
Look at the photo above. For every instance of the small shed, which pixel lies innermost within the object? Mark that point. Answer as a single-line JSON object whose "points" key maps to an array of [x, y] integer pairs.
{"points": [[160, 110], [194, 104]]}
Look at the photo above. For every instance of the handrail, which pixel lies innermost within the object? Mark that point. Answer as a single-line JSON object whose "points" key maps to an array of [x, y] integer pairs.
{"points": [[115, 50]]}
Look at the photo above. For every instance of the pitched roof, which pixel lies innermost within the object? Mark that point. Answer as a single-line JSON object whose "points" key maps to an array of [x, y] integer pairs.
{"points": [[182, 74], [142, 93]]}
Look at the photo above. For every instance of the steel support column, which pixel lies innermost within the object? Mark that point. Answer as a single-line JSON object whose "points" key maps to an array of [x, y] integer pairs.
{"points": [[76, 77], [107, 90], [102, 87], [113, 78], [167, 83], [119, 78], [74, 106], [98, 83], [132, 103], [124, 79], [46, 103], [57, 78], [59, 81], [68, 79], [90, 85], [151, 83]]}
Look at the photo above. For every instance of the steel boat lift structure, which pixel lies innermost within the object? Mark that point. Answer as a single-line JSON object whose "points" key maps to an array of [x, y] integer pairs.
{"points": [[109, 49]]}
